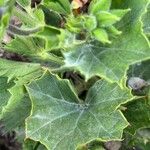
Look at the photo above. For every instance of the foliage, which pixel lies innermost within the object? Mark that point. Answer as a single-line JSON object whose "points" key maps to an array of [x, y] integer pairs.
{"points": [[71, 88]]}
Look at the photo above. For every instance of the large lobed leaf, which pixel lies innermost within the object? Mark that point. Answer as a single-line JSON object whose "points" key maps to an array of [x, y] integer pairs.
{"points": [[111, 61], [59, 120]]}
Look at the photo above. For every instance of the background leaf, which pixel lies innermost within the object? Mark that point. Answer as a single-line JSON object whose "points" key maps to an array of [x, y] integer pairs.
{"points": [[4, 93], [60, 6], [17, 106], [12, 69], [138, 114], [146, 21], [6, 8]]}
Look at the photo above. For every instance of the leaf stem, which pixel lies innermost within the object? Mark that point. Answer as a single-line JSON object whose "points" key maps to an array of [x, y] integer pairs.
{"points": [[52, 58], [16, 30]]}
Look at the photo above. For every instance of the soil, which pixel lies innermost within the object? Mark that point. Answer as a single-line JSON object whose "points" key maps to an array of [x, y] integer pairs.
{"points": [[8, 141]]}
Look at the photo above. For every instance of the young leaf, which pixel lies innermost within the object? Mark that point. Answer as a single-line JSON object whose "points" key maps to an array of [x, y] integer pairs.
{"points": [[119, 12], [106, 19], [76, 122], [113, 31], [99, 5], [101, 35], [90, 23]]}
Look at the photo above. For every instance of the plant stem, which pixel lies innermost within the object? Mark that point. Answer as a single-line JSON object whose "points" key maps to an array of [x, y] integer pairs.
{"points": [[15, 30], [52, 58]]}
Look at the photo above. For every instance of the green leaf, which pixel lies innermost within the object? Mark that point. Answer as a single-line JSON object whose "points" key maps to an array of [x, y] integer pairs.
{"points": [[60, 6], [99, 5], [138, 115], [101, 35], [113, 31], [50, 34], [26, 4], [111, 62], [140, 70], [90, 23], [52, 18], [119, 12], [18, 106], [93, 145], [4, 93], [77, 121], [140, 140], [146, 21], [12, 69], [35, 48], [32, 19], [75, 24], [32, 145], [5, 14], [32, 22], [27, 46], [1, 2], [106, 19]]}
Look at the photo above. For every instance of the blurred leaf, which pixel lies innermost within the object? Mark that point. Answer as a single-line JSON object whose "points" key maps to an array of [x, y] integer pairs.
{"points": [[141, 70], [60, 6], [18, 105], [99, 5], [31, 145], [13, 70], [6, 8], [146, 21], [26, 4], [4, 93], [138, 115], [106, 19], [101, 35]]}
